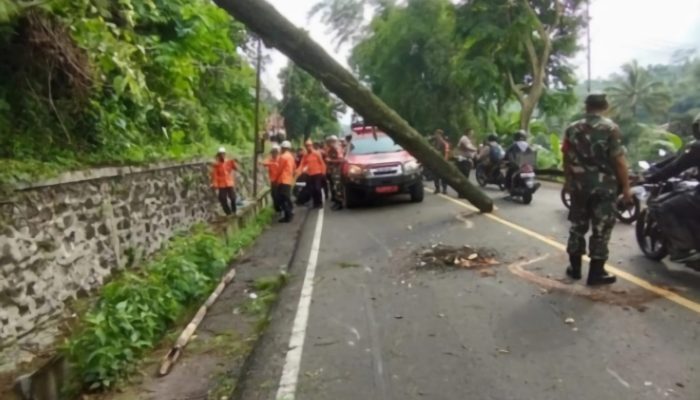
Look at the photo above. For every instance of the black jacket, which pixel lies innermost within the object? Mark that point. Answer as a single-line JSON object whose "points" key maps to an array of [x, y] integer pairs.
{"points": [[690, 158]]}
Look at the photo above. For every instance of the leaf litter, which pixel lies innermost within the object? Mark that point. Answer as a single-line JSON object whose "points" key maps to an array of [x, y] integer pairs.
{"points": [[440, 256]]}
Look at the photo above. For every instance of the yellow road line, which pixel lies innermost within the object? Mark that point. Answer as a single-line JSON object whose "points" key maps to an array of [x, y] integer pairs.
{"points": [[633, 279]]}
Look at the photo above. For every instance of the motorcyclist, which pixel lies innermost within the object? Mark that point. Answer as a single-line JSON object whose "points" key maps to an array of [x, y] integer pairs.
{"points": [[519, 146], [491, 155], [681, 213]]}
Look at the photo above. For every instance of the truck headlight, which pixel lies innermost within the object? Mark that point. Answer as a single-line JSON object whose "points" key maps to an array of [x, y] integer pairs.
{"points": [[355, 171], [411, 167]]}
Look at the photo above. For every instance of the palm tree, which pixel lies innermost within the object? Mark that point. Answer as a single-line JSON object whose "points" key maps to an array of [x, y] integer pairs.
{"points": [[636, 91]]}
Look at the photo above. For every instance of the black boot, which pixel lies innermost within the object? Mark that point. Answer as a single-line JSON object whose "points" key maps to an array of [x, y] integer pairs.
{"points": [[597, 275], [574, 269]]}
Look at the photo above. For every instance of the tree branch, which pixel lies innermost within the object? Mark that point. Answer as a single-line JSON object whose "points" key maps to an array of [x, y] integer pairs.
{"points": [[539, 26], [532, 54], [516, 89]]}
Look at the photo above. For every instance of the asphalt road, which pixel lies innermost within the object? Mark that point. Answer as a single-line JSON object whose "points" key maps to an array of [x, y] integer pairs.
{"points": [[381, 326]]}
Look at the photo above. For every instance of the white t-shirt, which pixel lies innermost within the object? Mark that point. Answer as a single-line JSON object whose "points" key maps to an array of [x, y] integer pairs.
{"points": [[465, 146]]}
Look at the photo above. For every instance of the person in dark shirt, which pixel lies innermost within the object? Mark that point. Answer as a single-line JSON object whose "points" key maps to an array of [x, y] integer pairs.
{"points": [[443, 147], [682, 212]]}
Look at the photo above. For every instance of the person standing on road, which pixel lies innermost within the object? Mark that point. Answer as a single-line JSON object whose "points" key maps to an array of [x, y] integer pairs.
{"points": [[223, 181], [285, 180], [315, 168], [594, 169], [334, 161], [467, 151], [271, 164], [443, 147]]}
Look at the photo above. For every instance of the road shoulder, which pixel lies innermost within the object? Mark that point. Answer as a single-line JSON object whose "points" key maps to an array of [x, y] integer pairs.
{"points": [[219, 352]]}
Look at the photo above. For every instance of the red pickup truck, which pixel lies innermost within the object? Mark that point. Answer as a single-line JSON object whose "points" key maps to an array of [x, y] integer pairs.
{"points": [[376, 166]]}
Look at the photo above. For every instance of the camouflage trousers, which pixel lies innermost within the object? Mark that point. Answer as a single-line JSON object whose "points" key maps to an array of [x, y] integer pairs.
{"points": [[335, 181], [595, 211]]}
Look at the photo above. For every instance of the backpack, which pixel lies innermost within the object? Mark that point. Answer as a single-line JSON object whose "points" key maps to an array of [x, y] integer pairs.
{"points": [[496, 152]]}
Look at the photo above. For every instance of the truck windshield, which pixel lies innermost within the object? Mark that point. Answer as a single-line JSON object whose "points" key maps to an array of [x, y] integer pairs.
{"points": [[368, 145]]}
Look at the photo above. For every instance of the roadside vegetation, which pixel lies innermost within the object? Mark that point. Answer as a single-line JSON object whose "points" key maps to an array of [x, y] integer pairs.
{"points": [[134, 311], [94, 82]]}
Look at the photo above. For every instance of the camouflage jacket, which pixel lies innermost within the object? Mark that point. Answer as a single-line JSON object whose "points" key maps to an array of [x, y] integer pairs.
{"points": [[590, 148]]}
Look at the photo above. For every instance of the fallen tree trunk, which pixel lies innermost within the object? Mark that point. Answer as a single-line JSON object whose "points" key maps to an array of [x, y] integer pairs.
{"points": [[263, 19]]}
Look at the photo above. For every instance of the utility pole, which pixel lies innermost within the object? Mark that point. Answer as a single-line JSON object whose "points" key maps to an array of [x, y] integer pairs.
{"points": [[588, 47], [256, 127]]}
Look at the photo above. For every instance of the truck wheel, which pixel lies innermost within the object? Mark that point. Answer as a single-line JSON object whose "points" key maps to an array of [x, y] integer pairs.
{"points": [[417, 193]]}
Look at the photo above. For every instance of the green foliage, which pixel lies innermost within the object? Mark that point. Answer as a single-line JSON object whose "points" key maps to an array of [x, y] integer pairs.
{"points": [[408, 59], [103, 82], [636, 91], [505, 54], [135, 310], [307, 107], [655, 94]]}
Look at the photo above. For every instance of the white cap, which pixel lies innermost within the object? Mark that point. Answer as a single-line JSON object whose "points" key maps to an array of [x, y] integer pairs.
{"points": [[222, 150], [286, 144], [275, 147]]}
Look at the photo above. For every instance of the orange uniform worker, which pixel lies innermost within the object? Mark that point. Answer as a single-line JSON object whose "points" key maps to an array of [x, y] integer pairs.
{"points": [[272, 168], [285, 179], [222, 179], [315, 168]]}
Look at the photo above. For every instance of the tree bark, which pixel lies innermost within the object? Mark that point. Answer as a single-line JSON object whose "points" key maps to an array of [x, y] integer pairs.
{"points": [[263, 19]]}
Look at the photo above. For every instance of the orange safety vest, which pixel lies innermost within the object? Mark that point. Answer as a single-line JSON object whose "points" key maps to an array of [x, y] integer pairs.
{"points": [[272, 167], [313, 161], [285, 169], [222, 174]]}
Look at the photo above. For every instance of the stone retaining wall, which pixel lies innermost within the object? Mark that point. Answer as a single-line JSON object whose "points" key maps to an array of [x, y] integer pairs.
{"points": [[62, 238]]}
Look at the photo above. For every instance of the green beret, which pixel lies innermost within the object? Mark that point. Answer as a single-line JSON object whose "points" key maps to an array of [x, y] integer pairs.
{"points": [[597, 100]]}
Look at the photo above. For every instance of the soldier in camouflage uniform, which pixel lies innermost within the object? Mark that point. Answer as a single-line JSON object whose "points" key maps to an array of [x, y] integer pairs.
{"points": [[595, 169]]}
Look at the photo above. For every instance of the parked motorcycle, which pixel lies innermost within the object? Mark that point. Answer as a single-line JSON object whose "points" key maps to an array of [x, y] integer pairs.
{"points": [[650, 237], [490, 175], [625, 213]]}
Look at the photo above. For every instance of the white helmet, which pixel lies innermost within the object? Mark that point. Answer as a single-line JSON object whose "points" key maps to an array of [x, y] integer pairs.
{"points": [[221, 150], [332, 138], [286, 144], [275, 147]]}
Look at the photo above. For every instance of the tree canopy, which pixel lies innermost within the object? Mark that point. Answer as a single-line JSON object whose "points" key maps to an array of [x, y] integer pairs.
{"points": [[307, 107], [451, 64], [99, 81]]}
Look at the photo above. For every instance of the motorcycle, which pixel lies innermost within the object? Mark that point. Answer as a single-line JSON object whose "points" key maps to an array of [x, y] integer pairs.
{"points": [[625, 213], [490, 175], [650, 237], [523, 184]]}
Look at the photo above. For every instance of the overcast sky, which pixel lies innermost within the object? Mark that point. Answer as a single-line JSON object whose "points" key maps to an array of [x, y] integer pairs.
{"points": [[621, 30]]}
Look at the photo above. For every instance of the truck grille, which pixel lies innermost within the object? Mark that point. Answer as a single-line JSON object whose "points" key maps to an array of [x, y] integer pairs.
{"points": [[384, 171]]}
